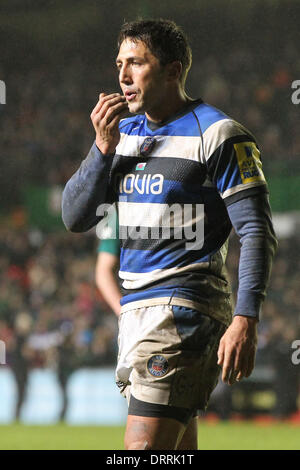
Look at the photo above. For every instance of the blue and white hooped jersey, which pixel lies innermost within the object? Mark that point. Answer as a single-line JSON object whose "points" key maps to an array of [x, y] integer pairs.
{"points": [[172, 182]]}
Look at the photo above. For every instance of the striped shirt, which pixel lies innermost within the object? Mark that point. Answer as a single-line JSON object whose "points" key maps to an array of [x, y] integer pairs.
{"points": [[173, 185]]}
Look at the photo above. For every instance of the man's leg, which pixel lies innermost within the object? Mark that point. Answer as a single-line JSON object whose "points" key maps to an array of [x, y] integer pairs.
{"points": [[189, 440], [148, 433]]}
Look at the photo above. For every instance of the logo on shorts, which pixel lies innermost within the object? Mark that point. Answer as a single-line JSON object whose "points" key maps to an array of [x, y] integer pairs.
{"points": [[157, 366]]}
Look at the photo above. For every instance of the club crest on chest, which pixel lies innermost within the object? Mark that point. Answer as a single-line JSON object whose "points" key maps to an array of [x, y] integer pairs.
{"points": [[147, 146]]}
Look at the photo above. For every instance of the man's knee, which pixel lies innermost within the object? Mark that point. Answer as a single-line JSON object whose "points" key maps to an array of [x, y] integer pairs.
{"points": [[139, 444]]}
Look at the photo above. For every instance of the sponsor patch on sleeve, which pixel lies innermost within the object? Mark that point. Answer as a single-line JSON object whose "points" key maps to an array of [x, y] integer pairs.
{"points": [[249, 162]]}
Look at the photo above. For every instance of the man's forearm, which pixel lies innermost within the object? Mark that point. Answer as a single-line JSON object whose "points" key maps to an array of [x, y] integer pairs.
{"points": [[251, 218], [85, 191], [110, 291]]}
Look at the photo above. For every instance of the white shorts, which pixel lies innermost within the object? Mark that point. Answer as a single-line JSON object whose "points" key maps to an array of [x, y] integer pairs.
{"points": [[168, 355]]}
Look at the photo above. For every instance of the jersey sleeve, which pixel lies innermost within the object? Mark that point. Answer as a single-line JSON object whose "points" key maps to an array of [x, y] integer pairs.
{"points": [[252, 221], [110, 245], [234, 162], [87, 191]]}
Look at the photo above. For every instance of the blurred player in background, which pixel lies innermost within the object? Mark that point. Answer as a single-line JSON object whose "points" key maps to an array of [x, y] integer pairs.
{"points": [[176, 326], [20, 357], [107, 266]]}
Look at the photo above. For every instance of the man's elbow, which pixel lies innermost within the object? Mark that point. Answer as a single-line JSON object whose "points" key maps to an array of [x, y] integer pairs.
{"points": [[71, 223], [74, 228], [70, 217], [274, 244], [273, 241]]}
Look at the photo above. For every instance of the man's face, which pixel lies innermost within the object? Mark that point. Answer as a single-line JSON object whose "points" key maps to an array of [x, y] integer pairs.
{"points": [[141, 76]]}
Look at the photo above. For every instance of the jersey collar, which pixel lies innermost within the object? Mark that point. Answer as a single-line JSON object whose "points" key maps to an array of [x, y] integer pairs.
{"points": [[189, 107]]}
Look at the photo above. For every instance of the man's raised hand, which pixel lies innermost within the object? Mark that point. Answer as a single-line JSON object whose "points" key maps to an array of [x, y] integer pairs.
{"points": [[105, 118]]}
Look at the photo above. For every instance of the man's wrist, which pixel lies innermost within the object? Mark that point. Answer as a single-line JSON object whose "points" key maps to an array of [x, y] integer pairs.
{"points": [[104, 148], [250, 319], [246, 322]]}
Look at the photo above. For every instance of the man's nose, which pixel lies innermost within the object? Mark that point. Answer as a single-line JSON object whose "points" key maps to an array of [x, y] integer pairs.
{"points": [[125, 75]]}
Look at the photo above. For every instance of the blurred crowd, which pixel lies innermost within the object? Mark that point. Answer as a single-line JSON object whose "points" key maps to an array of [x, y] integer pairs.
{"points": [[45, 126], [47, 130], [52, 314], [278, 329]]}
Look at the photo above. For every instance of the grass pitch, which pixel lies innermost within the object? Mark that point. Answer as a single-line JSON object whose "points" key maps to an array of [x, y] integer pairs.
{"points": [[228, 436]]}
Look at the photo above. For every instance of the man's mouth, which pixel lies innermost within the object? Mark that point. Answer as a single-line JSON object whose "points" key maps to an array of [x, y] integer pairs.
{"points": [[130, 95]]}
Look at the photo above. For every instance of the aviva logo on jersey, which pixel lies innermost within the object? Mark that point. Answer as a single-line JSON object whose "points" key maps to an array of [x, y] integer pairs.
{"points": [[142, 184], [249, 162]]}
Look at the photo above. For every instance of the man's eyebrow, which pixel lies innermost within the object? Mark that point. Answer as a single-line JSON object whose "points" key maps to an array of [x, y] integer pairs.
{"points": [[118, 61]]}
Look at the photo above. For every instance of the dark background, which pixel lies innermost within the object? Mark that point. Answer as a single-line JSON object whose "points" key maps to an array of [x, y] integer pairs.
{"points": [[55, 58]]}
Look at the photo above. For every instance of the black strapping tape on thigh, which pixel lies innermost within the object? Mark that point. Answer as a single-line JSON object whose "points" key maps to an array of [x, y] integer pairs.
{"points": [[154, 410]]}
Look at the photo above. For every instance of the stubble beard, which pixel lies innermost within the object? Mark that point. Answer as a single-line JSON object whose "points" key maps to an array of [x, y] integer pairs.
{"points": [[137, 106]]}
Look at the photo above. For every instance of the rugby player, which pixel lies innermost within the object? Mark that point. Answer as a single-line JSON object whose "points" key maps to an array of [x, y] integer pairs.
{"points": [[176, 330], [107, 265]]}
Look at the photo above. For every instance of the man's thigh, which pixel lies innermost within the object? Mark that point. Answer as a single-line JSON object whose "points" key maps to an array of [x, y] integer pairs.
{"points": [[189, 440], [146, 433], [152, 433]]}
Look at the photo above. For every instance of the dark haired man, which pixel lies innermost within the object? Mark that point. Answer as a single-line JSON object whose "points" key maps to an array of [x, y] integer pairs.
{"points": [[179, 152]]}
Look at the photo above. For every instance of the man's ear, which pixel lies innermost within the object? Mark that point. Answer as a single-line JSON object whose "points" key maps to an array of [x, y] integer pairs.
{"points": [[174, 70]]}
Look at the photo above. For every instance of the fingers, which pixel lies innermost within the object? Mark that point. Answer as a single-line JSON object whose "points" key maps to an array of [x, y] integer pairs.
{"points": [[108, 103], [114, 120], [234, 366], [225, 359], [110, 110], [240, 375], [238, 369], [228, 364], [107, 108], [105, 117], [105, 100], [221, 354], [98, 105], [241, 370]]}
